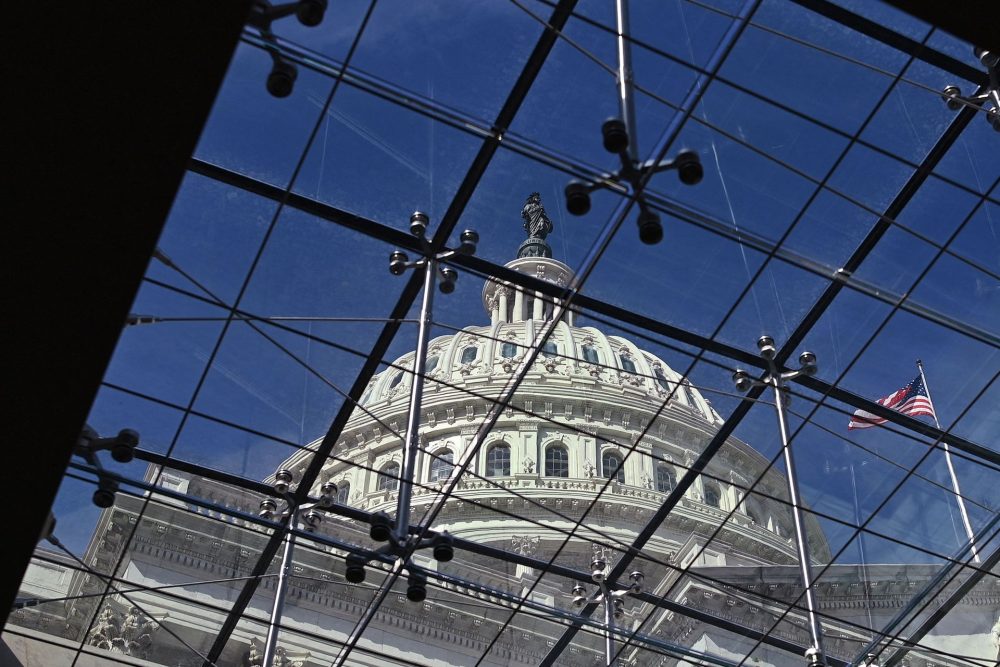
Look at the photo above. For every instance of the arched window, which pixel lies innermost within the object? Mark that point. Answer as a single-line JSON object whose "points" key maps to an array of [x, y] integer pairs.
{"points": [[396, 379], [713, 496], [627, 364], [442, 465], [498, 461], [611, 467], [343, 492], [690, 396], [469, 354], [550, 349], [661, 379], [590, 354], [508, 350], [431, 363], [388, 477], [665, 479], [556, 462]]}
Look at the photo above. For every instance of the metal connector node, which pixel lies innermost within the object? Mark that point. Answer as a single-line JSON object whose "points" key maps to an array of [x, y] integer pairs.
{"points": [[742, 380], [814, 658], [282, 480], [766, 346]]}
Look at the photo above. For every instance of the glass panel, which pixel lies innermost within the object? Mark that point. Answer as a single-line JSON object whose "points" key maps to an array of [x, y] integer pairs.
{"points": [[262, 314], [759, 59], [471, 73]]}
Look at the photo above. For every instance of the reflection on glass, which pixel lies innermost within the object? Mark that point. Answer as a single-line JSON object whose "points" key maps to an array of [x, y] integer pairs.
{"points": [[699, 509]]}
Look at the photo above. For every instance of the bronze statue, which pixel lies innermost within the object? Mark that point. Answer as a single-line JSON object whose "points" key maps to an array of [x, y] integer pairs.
{"points": [[536, 222]]}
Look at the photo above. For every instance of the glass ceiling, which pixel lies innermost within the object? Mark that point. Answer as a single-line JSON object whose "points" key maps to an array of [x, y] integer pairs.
{"points": [[845, 209]]}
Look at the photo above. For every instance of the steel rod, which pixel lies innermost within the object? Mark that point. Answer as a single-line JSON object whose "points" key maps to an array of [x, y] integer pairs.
{"points": [[279, 595], [609, 627], [802, 544], [625, 78], [408, 472]]}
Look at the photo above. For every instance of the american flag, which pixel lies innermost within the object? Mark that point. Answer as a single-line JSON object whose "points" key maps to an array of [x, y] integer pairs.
{"points": [[911, 400]]}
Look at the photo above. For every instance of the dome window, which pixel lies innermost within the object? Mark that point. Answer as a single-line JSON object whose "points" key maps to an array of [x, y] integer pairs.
{"points": [[665, 479], [396, 379], [556, 462], [498, 461], [430, 364], [442, 465], [690, 396], [508, 350], [590, 354], [343, 492], [388, 477], [713, 496], [611, 467], [469, 354], [627, 364], [550, 349], [661, 379]]}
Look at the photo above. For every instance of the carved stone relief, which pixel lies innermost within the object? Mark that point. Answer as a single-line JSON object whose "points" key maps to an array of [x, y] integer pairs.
{"points": [[130, 634]]}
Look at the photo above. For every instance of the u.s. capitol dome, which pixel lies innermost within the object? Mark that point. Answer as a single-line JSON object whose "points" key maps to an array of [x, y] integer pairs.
{"points": [[586, 401]]}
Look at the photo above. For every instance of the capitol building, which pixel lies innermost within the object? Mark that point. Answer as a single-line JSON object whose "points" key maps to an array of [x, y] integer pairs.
{"points": [[594, 440]]}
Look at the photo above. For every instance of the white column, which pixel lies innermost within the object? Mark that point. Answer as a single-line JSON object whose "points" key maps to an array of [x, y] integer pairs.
{"points": [[503, 305], [518, 305], [538, 305]]}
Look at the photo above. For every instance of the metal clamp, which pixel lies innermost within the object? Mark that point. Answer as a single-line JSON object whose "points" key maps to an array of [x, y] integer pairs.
{"points": [[612, 599], [952, 95]]}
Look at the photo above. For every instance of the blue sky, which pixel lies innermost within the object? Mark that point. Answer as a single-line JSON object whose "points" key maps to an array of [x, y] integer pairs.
{"points": [[382, 161]]}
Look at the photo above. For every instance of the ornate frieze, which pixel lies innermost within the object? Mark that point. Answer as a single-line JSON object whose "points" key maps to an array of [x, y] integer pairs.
{"points": [[254, 657], [130, 633]]}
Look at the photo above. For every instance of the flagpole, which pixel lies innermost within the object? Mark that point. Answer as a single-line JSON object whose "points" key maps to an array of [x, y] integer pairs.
{"points": [[951, 469], [861, 538]]}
